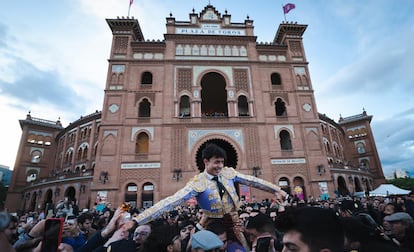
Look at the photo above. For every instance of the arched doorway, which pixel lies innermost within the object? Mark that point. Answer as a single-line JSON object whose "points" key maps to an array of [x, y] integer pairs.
{"points": [[299, 188], [70, 193], [131, 194], [213, 95], [147, 195], [232, 157], [358, 186], [367, 184], [48, 201], [342, 190], [32, 206], [285, 185]]}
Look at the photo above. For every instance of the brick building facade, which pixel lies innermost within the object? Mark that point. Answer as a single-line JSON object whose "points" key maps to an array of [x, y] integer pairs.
{"points": [[207, 81]]}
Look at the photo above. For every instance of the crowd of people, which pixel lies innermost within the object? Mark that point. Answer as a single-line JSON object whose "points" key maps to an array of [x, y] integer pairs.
{"points": [[221, 221], [347, 224]]}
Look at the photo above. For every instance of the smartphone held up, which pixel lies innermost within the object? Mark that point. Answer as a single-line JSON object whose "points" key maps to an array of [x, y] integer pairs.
{"points": [[52, 235]]}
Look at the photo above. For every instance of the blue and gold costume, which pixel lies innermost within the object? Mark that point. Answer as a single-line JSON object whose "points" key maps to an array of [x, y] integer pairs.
{"points": [[208, 198]]}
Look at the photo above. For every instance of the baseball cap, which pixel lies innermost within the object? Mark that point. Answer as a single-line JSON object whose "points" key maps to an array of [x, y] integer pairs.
{"points": [[205, 240], [399, 216]]}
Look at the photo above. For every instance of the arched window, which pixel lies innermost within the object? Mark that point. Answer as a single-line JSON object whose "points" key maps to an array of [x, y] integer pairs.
{"points": [[285, 141], [142, 143], [219, 51], [280, 107], [85, 152], [146, 78], [327, 147], [211, 51], [243, 51], [31, 139], [243, 106], [82, 151], [48, 141], [324, 130], [227, 51], [31, 175], [185, 106], [235, 51], [79, 154], [144, 108], [364, 164], [187, 50], [95, 149], [72, 137], [213, 95], [361, 148], [203, 50], [335, 149], [68, 156], [196, 50], [179, 50], [39, 139], [36, 155], [275, 78]]}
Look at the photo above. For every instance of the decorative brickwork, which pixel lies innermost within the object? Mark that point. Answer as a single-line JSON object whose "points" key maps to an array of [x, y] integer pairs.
{"points": [[184, 80], [149, 95], [241, 80], [287, 169], [252, 147], [275, 95], [295, 48], [178, 148], [139, 175], [121, 45]]}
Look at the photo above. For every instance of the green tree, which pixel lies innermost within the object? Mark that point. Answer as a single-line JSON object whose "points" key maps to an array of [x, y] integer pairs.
{"points": [[404, 183]]}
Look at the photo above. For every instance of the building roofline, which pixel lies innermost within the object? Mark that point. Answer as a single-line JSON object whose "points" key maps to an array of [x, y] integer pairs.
{"points": [[40, 122], [83, 119], [325, 118]]}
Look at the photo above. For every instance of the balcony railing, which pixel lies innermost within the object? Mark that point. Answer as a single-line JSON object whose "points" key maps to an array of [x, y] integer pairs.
{"points": [[63, 176]]}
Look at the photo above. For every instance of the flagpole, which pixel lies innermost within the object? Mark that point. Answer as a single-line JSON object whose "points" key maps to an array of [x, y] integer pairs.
{"points": [[129, 8], [284, 13]]}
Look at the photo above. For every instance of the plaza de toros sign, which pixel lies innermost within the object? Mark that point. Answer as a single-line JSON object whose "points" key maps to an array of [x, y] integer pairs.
{"points": [[210, 29]]}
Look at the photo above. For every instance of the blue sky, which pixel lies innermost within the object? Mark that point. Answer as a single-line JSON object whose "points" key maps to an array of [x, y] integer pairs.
{"points": [[53, 59]]}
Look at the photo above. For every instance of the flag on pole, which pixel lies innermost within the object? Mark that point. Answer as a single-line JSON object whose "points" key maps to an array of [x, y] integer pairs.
{"points": [[129, 8], [286, 8]]}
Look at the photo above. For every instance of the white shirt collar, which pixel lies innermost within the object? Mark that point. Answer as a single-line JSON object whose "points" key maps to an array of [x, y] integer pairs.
{"points": [[210, 177]]}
